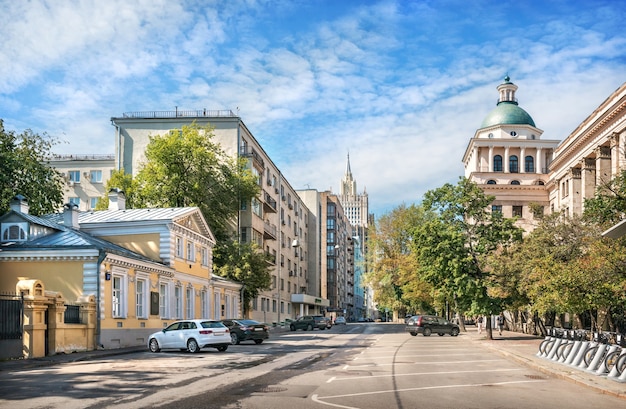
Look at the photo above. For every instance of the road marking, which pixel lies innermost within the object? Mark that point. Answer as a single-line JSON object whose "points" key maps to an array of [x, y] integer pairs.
{"points": [[417, 356], [351, 378], [318, 399], [425, 363]]}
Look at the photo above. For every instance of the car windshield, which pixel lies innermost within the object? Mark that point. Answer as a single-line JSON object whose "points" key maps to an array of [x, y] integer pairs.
{"points": [[248, 322]]}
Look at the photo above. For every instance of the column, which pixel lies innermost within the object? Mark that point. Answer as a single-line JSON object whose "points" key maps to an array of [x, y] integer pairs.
{"points": [[490, 159], [603, 165], [539, 161], [506, 160], [588, 178], [522, 160], [576, 202]]}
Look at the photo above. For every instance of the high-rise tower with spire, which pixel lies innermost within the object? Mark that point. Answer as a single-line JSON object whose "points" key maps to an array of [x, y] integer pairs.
{"points": [[355, 205]]}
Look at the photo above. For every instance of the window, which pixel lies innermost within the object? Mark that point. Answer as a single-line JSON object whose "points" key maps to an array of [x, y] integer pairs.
{"points": [[95, 176], [491, 182], [517, 211], [75, 201], [191, 251], [204, 304], [529, 164], [163, 300], [74, 176], [330, 263], [178, 302], [496, 209], [273, 305], [119, 299], [513, 164], [93, 201], [189, 300], [515, 182], [179, 246], [330, 224], [497, 163], [256, 207], [141, 298], [513, 134], [204, 255], [14, 231], [282, 284]]}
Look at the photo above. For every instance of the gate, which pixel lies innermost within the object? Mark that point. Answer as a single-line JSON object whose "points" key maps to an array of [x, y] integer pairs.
{"points": [[11, 325]]}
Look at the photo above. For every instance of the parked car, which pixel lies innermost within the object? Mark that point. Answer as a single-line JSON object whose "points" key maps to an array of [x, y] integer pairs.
{"points": [[309, 322], [340, 321], [191, 335], [429, 324], [244, 330]]}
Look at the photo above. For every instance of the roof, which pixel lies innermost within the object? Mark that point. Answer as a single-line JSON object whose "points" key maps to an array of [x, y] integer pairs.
{"points": [[507, 113]]}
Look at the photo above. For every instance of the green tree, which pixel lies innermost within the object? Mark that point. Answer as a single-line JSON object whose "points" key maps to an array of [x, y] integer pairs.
{"points": [[393, 266], [187, 168], [25, 170], [608, 206], [453, 243], [247, 264], [126, 183]]}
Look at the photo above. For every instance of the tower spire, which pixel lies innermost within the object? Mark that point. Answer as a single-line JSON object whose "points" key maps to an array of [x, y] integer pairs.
{"points": [[348, 171]]}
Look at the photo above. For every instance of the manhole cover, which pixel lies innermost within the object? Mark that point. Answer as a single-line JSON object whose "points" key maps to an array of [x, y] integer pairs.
{"points": [[273, 389], [535, 377]]}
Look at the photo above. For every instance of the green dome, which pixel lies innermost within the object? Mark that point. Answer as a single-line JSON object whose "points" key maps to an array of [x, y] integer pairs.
{"points": [[507, 113]]}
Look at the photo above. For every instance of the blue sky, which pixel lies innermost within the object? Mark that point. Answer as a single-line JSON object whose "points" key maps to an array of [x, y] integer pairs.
{"points": [[400, 85]]}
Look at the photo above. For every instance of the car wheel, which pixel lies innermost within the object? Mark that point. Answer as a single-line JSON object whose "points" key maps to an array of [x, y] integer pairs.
{"points": [[309, 327], [413, 333], [222, 348], [154, 345], [292, 327], [441, 334], [258, 341], [234, 339], [427, 332], [192, 346], [454, 332]]}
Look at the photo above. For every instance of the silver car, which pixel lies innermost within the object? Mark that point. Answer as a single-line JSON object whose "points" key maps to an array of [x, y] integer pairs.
{"points": [[191, 335]]}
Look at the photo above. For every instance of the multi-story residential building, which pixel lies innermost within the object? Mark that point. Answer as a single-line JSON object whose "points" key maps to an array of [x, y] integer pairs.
{"points": [[85, 177], [276, 220], [356, 208], [336, 251], [508, 159]]}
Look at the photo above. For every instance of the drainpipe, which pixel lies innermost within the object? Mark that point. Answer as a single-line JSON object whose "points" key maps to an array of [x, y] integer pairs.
{"points": [[101, 258]]}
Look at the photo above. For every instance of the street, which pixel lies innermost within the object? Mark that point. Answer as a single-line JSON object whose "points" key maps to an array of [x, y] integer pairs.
{"points": [[372, 365]]}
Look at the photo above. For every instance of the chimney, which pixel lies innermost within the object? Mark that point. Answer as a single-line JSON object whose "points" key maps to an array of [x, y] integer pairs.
{"points": [[117, 199], [70, 215], [19, 204]]}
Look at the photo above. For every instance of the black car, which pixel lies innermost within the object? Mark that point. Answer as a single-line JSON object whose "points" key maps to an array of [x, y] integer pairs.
{"points": [[309, 322], [428, 324], [245, 329]]}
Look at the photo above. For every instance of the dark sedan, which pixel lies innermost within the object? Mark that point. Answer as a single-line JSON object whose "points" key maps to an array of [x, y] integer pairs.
{"points": [[429, 324], [246, 330]]}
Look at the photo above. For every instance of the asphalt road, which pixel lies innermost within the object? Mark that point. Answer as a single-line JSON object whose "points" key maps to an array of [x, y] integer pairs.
{"points": [[361, 366]]}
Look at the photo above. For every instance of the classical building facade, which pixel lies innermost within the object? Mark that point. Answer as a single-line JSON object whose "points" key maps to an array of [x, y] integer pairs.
{"points": [[508, 159], [276, 220], [593, 154]]}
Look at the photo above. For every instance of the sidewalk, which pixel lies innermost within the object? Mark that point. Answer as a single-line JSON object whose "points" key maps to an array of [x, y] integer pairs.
{"points": [[523, 348]]}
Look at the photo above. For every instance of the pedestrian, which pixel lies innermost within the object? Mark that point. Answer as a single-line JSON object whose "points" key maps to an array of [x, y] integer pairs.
{"points": [[480, 324], [500, 321]]}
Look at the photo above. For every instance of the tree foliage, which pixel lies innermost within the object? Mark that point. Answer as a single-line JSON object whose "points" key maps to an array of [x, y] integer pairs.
{"points": [[245, 263], [393, 266], [453, 243], [126, 183], [187, 168], [25, 170]]}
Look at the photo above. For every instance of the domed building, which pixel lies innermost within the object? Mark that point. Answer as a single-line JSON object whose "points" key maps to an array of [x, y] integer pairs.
{"points": [[508, 159]]}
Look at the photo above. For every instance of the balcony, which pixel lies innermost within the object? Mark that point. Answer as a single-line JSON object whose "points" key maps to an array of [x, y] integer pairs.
{"points": [[248, 152], [269, 231], [269, 204]]}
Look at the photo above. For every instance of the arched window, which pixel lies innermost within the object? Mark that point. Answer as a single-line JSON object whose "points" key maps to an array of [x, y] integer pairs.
{"points": [[529, 164], [515, 182], [491, 182], [497, 163], [513, 164], [539, 183]]}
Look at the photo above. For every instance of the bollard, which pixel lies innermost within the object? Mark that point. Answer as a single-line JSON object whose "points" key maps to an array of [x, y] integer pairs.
{"points": [[573, 352], [579, 361], [597, 358], [555, 346], [614, 374], [601, 367]]}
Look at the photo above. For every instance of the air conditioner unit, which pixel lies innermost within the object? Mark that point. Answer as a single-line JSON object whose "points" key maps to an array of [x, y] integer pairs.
{"points": [[70, 183]]}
